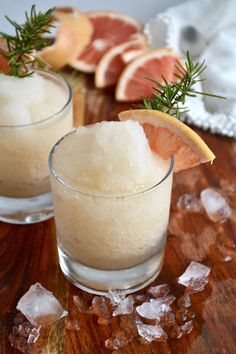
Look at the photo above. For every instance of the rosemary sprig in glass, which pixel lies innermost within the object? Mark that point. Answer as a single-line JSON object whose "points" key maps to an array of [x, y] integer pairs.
{"points": [[169, 97], [27, 39]]}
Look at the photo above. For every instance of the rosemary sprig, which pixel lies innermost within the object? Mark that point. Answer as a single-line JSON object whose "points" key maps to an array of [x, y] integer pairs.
{"points": [[27, 39], [169, 97]]}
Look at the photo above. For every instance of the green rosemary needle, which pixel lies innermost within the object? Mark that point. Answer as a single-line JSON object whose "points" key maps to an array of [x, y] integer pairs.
{"points": [[27, 39], [169, 97]]}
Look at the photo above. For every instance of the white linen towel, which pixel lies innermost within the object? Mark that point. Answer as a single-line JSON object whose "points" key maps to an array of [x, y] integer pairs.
{"points": [[213, 22]]}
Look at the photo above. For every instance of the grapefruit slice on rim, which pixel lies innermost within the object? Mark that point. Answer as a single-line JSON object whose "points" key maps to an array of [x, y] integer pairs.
{"points": [[168, 137], [110, 29], [154, 64], [111, 64]]}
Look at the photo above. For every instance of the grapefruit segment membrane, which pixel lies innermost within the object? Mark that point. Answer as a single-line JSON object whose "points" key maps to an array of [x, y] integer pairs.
{"points": [[132, 54], [111, 64], [168, 137]]}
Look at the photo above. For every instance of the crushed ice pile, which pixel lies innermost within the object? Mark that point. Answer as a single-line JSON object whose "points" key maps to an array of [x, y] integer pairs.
{"points": [[155, 315], [214, 203]]}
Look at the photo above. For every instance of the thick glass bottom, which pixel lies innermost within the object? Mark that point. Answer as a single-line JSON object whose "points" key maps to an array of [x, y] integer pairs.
{"points": [[26, 210], [98, 281]]}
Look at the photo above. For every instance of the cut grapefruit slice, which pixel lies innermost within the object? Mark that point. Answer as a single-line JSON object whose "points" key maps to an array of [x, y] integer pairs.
{"points": [[154, 64], [73, 34], [168, 137], [111, 64], [110, 29]]}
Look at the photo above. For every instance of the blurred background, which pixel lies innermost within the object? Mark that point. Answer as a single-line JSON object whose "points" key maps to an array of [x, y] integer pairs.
{"points": [[143, 9]]}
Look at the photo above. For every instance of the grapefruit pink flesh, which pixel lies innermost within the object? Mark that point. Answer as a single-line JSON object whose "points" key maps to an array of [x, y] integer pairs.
{"points": [[153, 64], [109, 30]]}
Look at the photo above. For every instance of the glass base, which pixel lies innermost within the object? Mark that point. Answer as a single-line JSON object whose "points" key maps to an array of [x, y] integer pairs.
{"points": [[97, 281], [26, 210]]}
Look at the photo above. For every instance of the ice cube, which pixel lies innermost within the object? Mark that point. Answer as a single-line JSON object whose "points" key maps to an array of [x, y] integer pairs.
{"points": [[215, 205], [115, 296], [168, 299], [227, 258], [190, 203], [125, 307], [118, 340], [168, 319], [151, 332], [187, 327], [24, 334], [197, 284], [195, 276], [184, 301], [34, 335], [154, 309], [159, 290], [100, 308], [40, 306]]}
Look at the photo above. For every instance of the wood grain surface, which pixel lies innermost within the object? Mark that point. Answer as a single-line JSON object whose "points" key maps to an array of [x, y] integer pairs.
{"points": [[28, 255]]}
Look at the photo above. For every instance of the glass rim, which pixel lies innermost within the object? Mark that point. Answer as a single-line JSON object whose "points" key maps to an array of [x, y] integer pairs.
{"points": [[96, 195], [69, 90]]}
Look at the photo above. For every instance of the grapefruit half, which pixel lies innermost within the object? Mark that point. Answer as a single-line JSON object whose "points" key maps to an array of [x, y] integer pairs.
{"points": [[168, 137], [109, 30], [111, 64], [152, 64]]}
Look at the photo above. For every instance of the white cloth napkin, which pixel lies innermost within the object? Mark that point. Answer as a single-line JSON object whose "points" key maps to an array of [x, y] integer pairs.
{"points": [[215, 21]]}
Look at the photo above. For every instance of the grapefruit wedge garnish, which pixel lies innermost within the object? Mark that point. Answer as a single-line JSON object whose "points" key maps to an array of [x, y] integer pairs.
{"points": [[152, 64], [168, 137], [109, 30], [111, 64]]}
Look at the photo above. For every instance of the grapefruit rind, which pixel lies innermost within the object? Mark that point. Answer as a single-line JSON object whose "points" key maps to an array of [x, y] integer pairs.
{"points": [[128, 72], [132, 54], [73, 34], [189, 139]]}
